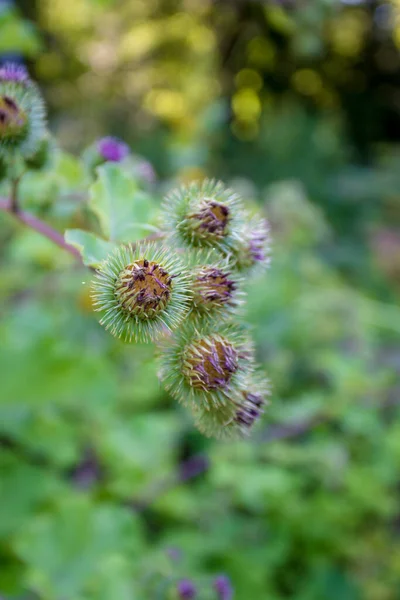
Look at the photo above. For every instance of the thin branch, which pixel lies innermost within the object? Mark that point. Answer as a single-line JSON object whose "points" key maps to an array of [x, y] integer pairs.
{"points": [[40, 226]]}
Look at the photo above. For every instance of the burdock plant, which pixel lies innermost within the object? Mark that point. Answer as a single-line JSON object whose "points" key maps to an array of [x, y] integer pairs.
{"points": [[22, 112], [181, 286]]}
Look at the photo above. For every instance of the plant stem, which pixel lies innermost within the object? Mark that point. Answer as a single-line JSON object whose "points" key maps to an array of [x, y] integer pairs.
{"points": [[11, 206], [40, 226]]}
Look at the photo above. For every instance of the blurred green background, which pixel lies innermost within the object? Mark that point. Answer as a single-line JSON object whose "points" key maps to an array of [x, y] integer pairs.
{"points": [[106, 489]]}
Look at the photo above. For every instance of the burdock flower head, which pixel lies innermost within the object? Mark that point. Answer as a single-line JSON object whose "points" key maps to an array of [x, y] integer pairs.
{"points": [[216, 288], [106, 149], [252, 254], [203, 215], [141, 292], [22, 114], [205, 367], [238, 418], [112, 149]]}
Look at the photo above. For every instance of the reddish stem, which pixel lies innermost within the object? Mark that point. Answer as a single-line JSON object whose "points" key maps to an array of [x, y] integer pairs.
{"points": [[34, 223]]}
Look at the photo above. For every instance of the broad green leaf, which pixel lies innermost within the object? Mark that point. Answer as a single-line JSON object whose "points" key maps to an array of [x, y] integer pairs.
{"points": [[92, 248], [69, 171], [126, 214]]}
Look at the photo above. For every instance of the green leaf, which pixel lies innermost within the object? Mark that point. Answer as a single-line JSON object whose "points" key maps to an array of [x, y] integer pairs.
{"points": [[92, 248], [18, 35], [69, 549], [126, 214], [69, 171]]}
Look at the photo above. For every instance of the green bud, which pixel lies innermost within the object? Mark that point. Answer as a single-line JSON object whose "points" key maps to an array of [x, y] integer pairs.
{"points": [[203, 215], [216, 289]]}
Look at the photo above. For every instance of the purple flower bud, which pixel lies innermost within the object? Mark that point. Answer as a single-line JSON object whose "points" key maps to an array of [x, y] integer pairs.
{"points": [[186, 589], [14, 72], [112, 149], [223, 587]]}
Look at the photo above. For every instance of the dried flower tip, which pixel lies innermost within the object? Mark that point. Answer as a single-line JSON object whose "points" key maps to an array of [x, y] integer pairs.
{"points": [[186, 589], [213, 287], [209, 363], [203, 215], [253, 253], [216, 289], [223, 587], [206, 368], [14, 72], [238, 420], [113, 150], [142, 289], [13, 120], [141, 292], [211, 219], [250, 410]]}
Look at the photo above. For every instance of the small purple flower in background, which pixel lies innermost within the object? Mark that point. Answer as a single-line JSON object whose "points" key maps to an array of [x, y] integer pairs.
{"points": [[112, 149], [146, 171], [223, 587], [14, 72], [186, 589]]}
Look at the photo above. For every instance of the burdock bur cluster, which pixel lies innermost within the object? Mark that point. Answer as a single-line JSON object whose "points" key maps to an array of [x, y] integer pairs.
{"points": [[186, 294], [184, 291]]}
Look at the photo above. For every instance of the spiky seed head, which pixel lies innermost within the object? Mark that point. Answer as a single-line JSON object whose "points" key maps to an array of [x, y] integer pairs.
{"points": [[252, 254], [216, 289], [205, 367], [203, 215], [237, 420], [22, 113], [141, 292]]}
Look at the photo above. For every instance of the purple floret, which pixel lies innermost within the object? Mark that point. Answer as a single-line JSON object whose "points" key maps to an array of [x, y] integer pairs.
{"points": [[186, 589], [223, 587], [14, 72], [112, 149]]}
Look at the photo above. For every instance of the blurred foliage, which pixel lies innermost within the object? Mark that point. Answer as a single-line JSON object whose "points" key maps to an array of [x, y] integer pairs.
{"points": [[297, 105]]}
